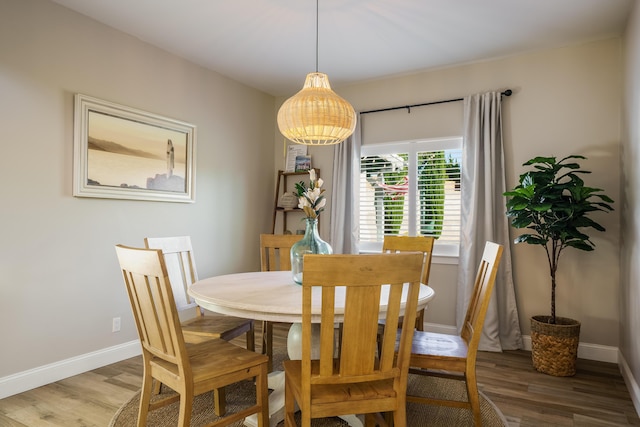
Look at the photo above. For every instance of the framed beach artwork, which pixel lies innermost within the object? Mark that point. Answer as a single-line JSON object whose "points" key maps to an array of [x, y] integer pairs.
{"points": [[124, 153]]}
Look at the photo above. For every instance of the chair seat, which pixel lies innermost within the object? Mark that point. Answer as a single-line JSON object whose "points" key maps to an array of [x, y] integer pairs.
{"points": [[334, 396], [435, 344], [205, 367], [434, 351], [214, 325]]}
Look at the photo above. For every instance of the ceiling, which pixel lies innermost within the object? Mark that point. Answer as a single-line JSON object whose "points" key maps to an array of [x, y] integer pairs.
{"points": [[271, 44]]}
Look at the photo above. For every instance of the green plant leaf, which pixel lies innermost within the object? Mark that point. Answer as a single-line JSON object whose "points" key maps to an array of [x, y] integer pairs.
{"points": [[553, 203], [579, 244]]}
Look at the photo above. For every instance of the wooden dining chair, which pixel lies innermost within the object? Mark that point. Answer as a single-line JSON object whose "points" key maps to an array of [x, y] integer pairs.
{"points": [[180, 262], [454, 356], [358, 381], [181, 266], [189, 369], [424, 244], [275, 255]]}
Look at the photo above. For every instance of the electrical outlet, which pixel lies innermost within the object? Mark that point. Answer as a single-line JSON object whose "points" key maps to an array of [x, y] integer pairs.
{"points": [[115, 326]]}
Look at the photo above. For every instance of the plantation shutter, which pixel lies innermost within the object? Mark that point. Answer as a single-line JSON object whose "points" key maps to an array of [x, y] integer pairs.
{"points": [[411, 188]]}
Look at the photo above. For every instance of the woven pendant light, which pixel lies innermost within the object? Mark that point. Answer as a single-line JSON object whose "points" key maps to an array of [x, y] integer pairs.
{"points": [[316, 115]]}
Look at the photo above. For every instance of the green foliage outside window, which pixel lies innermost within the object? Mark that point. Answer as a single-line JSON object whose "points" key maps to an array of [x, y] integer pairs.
{"points": [[432, 174], [433, 170], [394, 202]]}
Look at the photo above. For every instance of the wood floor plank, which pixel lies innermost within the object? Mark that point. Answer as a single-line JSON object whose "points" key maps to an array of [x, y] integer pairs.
{"points": [[584, 421], [55, 406], [95, 388], [8, 422]]}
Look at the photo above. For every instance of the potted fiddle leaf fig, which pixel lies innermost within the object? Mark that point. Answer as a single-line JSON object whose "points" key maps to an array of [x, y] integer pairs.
{"points": [[553, 204]]}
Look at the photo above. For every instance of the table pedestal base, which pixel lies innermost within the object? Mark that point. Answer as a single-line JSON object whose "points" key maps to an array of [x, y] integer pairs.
{"points": [[276, 381]]}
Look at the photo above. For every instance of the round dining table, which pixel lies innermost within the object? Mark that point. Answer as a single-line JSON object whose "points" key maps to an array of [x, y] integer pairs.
{"points": [[273, 296]]}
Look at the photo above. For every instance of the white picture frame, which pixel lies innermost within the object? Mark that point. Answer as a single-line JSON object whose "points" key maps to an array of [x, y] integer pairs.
{"points": [[125, 153]]}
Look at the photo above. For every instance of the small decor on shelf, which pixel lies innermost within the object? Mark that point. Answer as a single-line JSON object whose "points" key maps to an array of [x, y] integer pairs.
{"points": [[554, 205], [312, 201], [303, 163], [288, 201]]}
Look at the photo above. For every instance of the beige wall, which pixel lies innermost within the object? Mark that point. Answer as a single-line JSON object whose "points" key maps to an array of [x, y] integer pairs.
{"points": [[60, 285], [630, 201], [566, 101]]}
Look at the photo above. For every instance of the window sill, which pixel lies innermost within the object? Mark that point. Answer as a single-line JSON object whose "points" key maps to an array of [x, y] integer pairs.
{"points": [[435, 259]]}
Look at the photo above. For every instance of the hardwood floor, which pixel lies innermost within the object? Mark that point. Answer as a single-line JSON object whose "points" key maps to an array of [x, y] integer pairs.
{"points": [[595, 396]]}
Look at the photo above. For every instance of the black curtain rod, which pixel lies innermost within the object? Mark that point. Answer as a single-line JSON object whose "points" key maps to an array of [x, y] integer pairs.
{"points": [[507, 92]]}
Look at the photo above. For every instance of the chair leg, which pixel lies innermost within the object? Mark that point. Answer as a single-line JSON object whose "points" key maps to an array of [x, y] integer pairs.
{"points": [[306, 419], [289, 406], [186, 403], [375, 420], [338, 344], [262, 397], [265, 325], [474, 398], [400, 416], [219, 401], [267, 342], [388, 418], [145, 399], [251, 340], [420, 320], [369, 420]]}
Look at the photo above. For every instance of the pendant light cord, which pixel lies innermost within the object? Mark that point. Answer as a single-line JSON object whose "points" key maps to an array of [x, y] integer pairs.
{"points": [[317, 36]]}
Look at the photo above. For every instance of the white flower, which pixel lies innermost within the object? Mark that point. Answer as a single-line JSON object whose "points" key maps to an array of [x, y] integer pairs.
{"points": [[302, 202], [313, 194], [311, 199]]}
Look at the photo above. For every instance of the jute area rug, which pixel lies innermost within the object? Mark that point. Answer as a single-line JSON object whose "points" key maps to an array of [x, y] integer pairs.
{"points": [[243, 395]]}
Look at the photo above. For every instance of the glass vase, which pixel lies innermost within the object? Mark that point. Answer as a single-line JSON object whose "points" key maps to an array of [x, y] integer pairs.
{"points": [[311, 243]]}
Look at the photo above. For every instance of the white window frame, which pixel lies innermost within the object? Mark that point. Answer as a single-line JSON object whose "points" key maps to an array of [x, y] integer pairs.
{"points": [[443, 253]]}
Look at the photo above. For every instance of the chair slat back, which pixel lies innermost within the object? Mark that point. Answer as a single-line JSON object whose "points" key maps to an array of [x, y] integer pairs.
{"points": [[180, 263], [152, 303], [424, 244], [482, 290], [367, 282], [275, 251]]}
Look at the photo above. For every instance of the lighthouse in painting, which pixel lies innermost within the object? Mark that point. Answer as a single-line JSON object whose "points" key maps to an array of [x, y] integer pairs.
{"points": [[170, 158]]}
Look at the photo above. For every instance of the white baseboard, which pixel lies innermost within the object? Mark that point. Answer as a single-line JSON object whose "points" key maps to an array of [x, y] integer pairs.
{"points": [[601, 353], [42, 375], [630, 381]]}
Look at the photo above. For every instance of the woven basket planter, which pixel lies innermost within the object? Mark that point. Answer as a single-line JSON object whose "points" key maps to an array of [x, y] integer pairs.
{"points": [[554, 348]]}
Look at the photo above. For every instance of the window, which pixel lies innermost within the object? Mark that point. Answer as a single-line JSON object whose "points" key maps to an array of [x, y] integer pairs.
{"points": [[411, 188]]}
